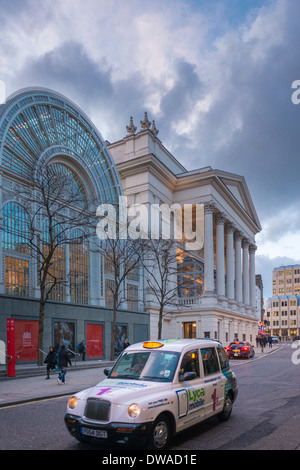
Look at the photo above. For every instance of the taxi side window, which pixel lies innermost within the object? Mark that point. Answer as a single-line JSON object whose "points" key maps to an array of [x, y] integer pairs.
{"points": [[210, 361], [190, 363], [224, 361]]}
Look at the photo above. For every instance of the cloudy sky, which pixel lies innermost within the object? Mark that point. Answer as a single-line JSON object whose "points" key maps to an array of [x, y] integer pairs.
{"points": [[215, 75]]}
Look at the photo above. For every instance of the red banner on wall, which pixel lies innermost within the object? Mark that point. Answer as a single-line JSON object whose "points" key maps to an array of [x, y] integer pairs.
{"points": [[26, 340], [94, 340]]}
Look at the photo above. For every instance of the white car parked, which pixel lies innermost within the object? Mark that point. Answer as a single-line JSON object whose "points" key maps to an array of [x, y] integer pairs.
{"points": [[154, 390]]}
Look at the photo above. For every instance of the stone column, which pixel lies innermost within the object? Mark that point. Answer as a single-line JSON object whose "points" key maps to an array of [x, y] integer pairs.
{"points": [[220, 255], [95, 275], [229, 262], [238, 268], [252, 250], [246, 272], [208, 248]]}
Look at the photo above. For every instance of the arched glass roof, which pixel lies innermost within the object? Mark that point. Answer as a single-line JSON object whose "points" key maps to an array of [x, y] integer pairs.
{"points": [[73, 186], [39, 124]]}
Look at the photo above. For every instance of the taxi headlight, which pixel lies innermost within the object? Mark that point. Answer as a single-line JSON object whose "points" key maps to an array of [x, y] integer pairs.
{"points": [[134, 410], [73, 403]]}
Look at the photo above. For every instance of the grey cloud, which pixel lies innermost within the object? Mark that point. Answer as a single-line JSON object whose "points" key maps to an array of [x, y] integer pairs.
{"points": [[12, 8], [251, 127], [186, 90], [264, 265], [265, 147], [69, 70]]}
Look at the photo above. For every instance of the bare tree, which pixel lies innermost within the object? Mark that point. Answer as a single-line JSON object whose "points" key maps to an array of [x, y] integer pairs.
{"points": [[58, 215], [122, 257], [160, 264]]}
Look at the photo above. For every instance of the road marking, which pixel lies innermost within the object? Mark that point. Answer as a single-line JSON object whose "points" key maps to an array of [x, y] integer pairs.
{"points": [[33, 400], [255, 358]]}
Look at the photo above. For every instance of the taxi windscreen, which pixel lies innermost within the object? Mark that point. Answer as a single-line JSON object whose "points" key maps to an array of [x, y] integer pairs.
{"points": [[148, 365]]}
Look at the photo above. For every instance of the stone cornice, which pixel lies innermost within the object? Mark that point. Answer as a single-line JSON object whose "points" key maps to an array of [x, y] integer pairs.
{"points": [[149, 163]]}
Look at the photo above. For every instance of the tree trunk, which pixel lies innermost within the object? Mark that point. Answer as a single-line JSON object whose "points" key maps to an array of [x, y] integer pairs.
{"points": [[113, 333], [41, 332], [161, 309]]}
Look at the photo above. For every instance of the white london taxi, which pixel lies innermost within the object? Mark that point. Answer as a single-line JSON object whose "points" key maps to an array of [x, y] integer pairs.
{"points": [[155, 390]]}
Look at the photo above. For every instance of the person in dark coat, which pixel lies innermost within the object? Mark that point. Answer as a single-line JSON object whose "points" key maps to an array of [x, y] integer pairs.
{"points": [[126, 343], [50, 361], [63, 360], [82, 350]]}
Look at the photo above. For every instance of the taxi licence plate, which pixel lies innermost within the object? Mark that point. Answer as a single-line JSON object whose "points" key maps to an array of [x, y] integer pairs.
{"points": [[94, 433]]}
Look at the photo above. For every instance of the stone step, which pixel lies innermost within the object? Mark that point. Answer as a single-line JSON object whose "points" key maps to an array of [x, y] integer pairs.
{"points": [[32, 370]]}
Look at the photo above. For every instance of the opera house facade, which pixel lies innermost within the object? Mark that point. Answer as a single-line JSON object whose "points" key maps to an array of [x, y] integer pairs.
{"points": [[216, 282]]}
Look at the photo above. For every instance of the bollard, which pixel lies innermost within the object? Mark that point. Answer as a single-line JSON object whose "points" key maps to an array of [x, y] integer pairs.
{"points": [[10, 333]]}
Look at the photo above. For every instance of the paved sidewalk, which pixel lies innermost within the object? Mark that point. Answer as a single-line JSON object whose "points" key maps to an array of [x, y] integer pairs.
{"points": [[21, 390]]}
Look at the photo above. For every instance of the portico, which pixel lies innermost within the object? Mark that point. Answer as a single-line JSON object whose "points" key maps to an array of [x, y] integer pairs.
{"points": [[226, 306]]}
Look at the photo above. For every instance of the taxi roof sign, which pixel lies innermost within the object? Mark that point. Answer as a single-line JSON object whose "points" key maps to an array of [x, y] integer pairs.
{"points": [[152, 344]]}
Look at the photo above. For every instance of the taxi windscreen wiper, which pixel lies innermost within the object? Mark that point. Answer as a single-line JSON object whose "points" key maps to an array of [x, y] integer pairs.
{"points": [[154, 377]]}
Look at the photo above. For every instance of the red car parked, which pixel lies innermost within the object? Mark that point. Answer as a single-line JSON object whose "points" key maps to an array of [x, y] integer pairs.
{"points": [[240, 349]]}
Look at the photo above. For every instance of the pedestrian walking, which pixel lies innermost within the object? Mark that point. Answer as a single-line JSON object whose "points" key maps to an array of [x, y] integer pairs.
{"points": [[63, 360], [50, 360], [126, 343], [270, 342], [262, 344], [257, 341], [82, 350]]}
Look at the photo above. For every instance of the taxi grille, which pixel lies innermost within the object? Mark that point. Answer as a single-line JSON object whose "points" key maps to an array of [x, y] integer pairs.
{"points": [[97, 410]]}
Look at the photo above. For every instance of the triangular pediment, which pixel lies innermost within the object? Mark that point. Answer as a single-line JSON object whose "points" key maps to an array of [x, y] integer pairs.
{"points": [[237, 187]]}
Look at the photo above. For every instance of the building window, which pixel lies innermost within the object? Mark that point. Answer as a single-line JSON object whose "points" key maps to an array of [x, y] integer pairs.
{"points": [[16, 276], [109, 292], [133, 281], [79, 269], [56, 279], [189, 330], [132, 296], [15, 236], [190, 277]]}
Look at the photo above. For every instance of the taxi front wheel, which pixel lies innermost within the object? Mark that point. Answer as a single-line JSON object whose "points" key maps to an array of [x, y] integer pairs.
{"points": [[227, 409], [161, 433]]}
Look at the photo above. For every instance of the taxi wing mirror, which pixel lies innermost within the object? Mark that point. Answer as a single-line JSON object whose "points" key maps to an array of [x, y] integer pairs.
{"points": [[106, 372], [187, 376]]}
